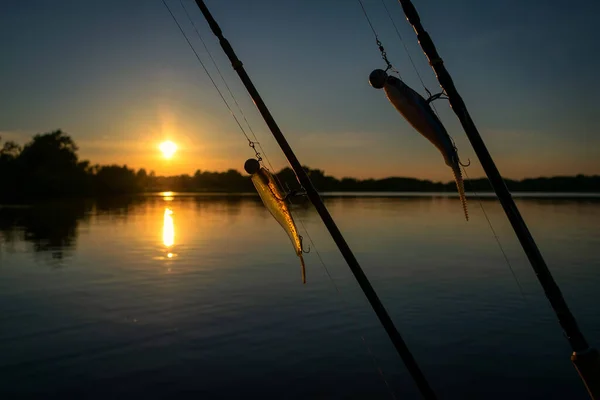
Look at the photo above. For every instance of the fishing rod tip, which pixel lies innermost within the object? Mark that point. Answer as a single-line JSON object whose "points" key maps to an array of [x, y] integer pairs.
{"points": [[251, 166], [377, 78]]}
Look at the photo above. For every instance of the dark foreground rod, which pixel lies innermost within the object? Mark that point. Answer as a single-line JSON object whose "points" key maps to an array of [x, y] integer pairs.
{"points": [[585, 358], [316, 200]]}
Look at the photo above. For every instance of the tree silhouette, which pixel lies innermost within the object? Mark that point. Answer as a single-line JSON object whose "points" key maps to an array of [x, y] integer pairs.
{"points": [[9, 151], [113, 179], [48, 167], [8, 157]]}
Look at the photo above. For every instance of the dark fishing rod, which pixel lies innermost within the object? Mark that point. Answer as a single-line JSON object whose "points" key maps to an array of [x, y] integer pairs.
{"points": [[313, 195], [585, 358]]}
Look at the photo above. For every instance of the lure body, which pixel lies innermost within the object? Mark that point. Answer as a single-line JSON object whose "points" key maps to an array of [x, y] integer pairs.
{"points": [[417, 111], [275, 202]]}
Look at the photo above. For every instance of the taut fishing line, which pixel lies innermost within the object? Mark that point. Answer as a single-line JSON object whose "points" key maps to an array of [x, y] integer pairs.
{"points": [[462, 165], [430, 101], [206, 70], [389, 66], [230, 92], [262, 151], [430, 96], [405, 48], [508, 263], [339, 295], [239, 108], [256, 141], [380, 371]]}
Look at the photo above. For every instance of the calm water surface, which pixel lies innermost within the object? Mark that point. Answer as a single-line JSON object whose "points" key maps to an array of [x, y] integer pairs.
{"points": [[187, 296]]}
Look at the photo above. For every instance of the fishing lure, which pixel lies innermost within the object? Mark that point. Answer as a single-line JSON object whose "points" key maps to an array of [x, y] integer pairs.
{"points": [[419, 114], [275, 202]]}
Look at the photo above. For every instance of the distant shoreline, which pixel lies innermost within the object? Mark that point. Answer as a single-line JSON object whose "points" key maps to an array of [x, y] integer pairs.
{"points": [[170, 196], [487, 195], [48, 167]]}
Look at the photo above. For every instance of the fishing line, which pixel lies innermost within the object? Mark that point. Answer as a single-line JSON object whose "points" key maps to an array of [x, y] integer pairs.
{"points": [[368, 20], [256, 141], [462, 165], [312, 244], [339, 294], [250, 128], [227, 86], [269, 165], [431, 97], [208, 73], [404, 45], [240, 110], [251, 144], [472, 189], [379, 45]]}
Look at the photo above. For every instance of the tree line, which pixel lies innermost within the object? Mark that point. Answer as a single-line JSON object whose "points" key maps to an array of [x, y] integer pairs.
{"points": [[48, 167]]}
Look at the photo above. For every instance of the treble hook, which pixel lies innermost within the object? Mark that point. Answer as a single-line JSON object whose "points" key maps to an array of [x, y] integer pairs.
{"points": [[456, 150], [428, 93], [302, 245], [435, 96], [288, 195], [293, 193], [460, 162], [299, 193], [465, 165]]}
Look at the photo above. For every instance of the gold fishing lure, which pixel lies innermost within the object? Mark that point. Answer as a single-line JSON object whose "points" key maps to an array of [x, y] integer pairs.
{"points": [[275, 202]]}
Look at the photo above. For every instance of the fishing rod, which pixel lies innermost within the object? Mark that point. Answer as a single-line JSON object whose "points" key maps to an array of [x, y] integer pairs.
{"points": [[315, 198], [585, 358]]}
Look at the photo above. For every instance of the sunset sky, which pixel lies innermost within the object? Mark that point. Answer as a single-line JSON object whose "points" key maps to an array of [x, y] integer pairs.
{"points": [[120, 78]]}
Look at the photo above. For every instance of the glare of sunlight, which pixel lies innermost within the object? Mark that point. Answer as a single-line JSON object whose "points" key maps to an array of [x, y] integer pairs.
{"points": [[168, 228], [168, 148], [167, 196]]}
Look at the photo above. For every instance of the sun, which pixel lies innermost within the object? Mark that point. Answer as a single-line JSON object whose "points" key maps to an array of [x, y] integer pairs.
{"points": [[168, 148]]}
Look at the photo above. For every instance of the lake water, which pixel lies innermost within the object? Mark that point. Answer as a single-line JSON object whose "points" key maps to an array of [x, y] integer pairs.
{"points": [[201, 297]]}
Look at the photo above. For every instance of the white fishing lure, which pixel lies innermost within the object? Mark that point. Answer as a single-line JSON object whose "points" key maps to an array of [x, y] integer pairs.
{"points": [[416, 110]]}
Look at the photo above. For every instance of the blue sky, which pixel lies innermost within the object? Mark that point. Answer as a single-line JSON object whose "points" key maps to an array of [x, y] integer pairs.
{"points": [[120, 78]]}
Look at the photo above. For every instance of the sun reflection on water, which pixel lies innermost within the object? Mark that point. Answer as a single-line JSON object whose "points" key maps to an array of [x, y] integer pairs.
{"points": [[167, 196], [168, 230]]}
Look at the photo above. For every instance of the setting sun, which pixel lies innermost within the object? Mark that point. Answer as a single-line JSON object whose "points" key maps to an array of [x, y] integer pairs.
{"points": [[168, 148]]}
